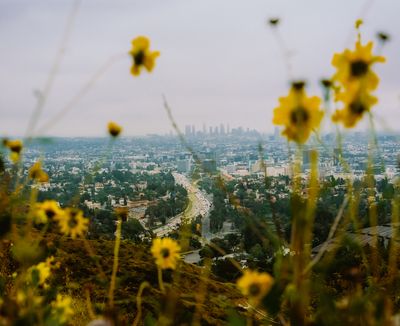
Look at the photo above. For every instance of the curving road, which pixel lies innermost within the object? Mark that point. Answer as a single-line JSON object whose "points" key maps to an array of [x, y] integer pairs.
{"points": [[199, 204]]}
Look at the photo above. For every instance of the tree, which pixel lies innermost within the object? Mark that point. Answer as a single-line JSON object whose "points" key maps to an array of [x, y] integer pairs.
{"points": [[132, 230]]}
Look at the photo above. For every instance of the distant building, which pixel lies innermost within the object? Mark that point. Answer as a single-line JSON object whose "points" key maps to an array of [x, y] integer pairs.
{"points": [[210, 165], [187, 130], [183, 166], [276, 134]]}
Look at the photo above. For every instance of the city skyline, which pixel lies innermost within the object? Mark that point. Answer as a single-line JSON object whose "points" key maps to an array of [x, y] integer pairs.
{"points": [[205, 78]]}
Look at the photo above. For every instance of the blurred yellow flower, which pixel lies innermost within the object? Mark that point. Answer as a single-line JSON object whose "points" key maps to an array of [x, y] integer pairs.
{"points": [[166, 252], [355, 66], [73, 223], [36, 173], [255, 285], [62, 307], [114, 129], [299, 114], [40, 273], [15, 147], [358, 23], [47, 210], [356, 102], [142, 56]]}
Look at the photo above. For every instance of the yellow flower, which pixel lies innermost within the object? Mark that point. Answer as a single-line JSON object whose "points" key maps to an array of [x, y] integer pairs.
{"points": [[62, 307], [21, 297], [40, 273], [114, 129], [358, 23], [299, 114], [356, 102], [142, 56], [255, 285], [15, 147], [355, 66], [36, 173], [166, 252], [73, 223], [23, 300], [47, 210]]}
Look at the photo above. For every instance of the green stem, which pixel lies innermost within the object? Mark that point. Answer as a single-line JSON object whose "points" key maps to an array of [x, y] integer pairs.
{"points": [[115, 265], [160, 280], [139, 303]]}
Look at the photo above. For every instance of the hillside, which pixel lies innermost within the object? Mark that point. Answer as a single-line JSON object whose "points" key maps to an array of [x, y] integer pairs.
{"points": [[78, 275]]}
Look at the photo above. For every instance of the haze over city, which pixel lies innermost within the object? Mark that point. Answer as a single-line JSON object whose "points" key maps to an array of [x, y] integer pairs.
{"points": [[219, 62]]}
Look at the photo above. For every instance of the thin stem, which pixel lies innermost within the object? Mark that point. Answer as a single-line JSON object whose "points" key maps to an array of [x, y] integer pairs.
{"points": [[89, 305], [115, 264], [82, 92], [284, 51], [43, 96], [332, 232], [139, 303], [160, 280], [363, 13]]}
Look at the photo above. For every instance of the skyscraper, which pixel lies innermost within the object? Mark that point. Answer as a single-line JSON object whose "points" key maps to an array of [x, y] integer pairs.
{"points": [[276, 133], [187, 130]]}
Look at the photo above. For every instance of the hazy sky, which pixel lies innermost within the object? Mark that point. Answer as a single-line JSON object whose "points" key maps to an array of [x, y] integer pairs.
{"points": [[219, 62]]}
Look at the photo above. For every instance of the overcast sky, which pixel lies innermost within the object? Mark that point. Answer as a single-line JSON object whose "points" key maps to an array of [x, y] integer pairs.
{"points": [[219, 62]]}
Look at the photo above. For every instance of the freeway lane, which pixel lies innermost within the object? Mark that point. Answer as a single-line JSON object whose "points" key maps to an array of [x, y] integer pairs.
{"points": [[198, 205]]}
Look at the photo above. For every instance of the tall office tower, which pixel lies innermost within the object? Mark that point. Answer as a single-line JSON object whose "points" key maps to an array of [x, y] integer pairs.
{"points": [[211, 130], [193, 130], [276, 133], [204, 128], [228, 129], [216, 130], [222, 129], [187, 130]]}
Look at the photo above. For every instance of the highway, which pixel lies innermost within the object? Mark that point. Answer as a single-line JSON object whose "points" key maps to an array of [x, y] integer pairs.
{"points": [[198, 205]]}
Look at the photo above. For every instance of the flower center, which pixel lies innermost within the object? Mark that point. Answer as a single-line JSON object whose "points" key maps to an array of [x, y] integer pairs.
{"points": [[50, 213], [16, 148], [357, 107], [254, 290], [72, 221], [139, 58], [165, 253], [114, 131], [298, 85], [299, 116], [358, 68]]}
